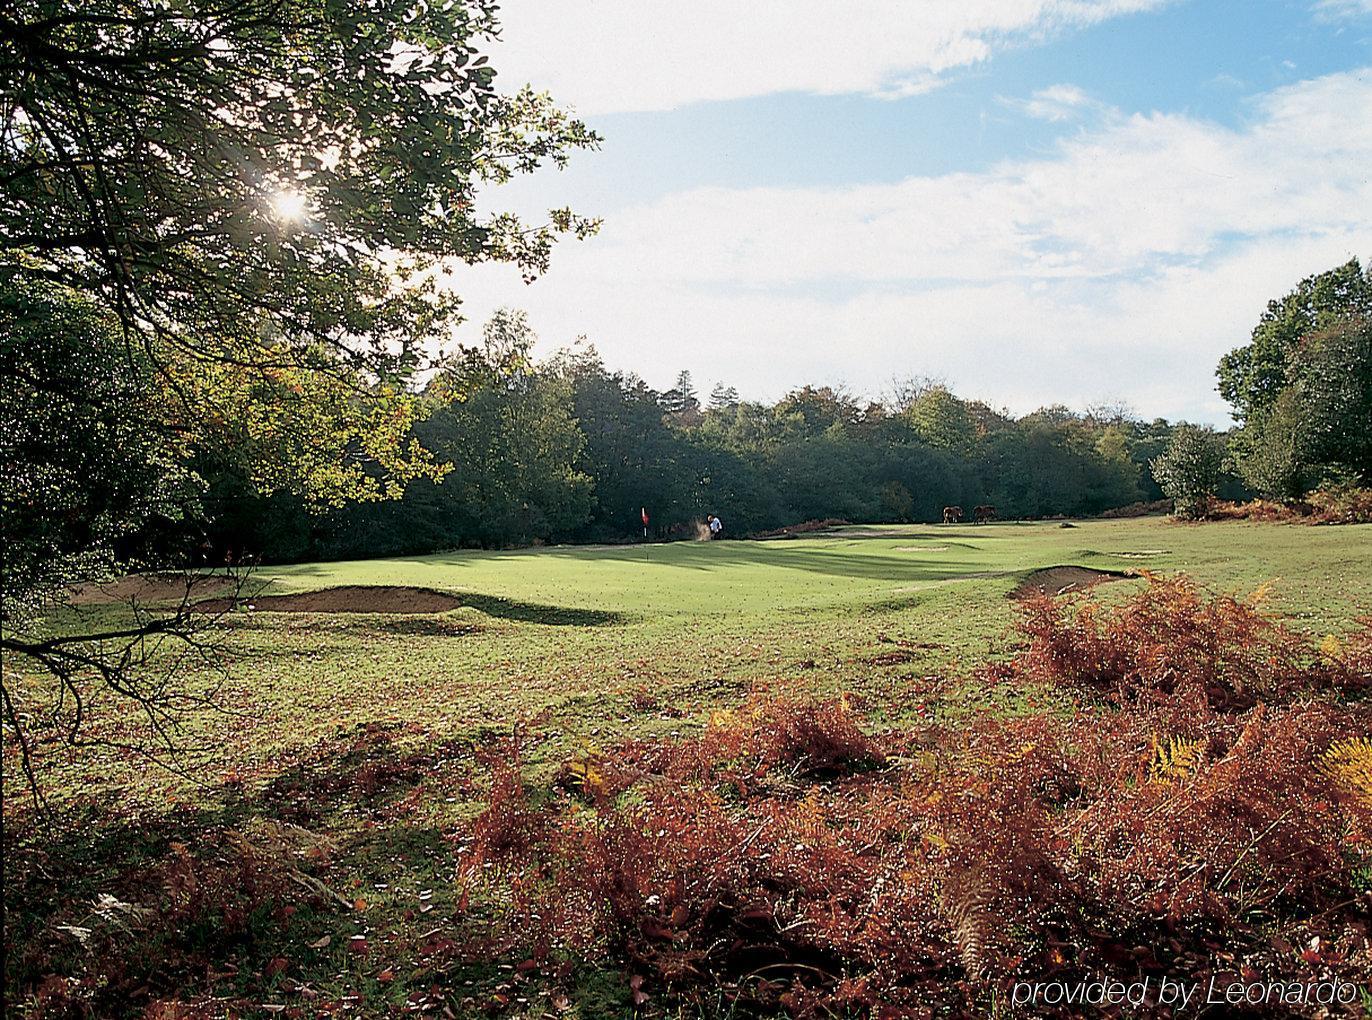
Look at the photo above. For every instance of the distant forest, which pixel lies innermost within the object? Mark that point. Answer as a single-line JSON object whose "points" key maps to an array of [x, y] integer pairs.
{"points": [[567, 451]]}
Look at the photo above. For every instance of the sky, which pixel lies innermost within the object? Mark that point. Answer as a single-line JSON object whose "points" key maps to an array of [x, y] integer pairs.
{"points": [[1035, 201]]}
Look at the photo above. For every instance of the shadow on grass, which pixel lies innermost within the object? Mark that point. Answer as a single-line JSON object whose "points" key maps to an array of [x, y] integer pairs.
{"points": [[434, 624], [825, 555], [533, 612], [832, 560], [429, 626], [201, 919]]}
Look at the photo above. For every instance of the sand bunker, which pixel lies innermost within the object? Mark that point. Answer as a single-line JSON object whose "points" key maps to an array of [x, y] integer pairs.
{"points": [[147, 588], [1060, 580], [352, 598]]}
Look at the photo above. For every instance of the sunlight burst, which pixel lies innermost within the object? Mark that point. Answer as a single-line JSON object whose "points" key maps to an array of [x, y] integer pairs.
{"points": [[288, 204]]}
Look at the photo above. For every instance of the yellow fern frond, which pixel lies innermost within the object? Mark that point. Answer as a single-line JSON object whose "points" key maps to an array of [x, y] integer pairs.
{"points": [[587, 777], [1331, 647], [1260, 594], [1348, 763], [1177, 759], [980, 762]]}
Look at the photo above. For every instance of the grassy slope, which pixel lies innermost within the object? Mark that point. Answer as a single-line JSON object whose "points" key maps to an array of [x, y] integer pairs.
{"points": [[577, 632]]}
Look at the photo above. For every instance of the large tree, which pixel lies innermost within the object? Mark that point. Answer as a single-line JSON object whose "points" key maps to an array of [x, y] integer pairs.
{"points": [[1189, 469], [264, 198], [1332, 373], [1251, 376], [634, 457], [266, 180], [81, 474], [241, 214], [507, 427], [1300, 387], [941, 419]]}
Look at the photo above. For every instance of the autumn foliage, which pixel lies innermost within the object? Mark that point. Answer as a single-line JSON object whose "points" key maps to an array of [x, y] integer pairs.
{"points": [[1207, 808], [1336, 505], [1175, 641], [182, 917]]}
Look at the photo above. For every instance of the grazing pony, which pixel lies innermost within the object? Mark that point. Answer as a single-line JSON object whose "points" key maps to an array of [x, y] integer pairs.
{"points": [[985, 512], [952, 515]]}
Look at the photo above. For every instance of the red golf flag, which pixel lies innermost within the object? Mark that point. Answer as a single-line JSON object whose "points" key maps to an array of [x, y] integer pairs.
{"points": [[644, 513]]}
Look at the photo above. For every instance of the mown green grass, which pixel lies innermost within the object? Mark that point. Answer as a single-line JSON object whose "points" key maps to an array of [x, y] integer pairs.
{"points": [[593, 645], [577, 631]]}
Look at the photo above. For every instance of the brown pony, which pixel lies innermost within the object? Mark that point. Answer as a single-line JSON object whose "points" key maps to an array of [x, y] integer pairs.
{"points": [[985, 512], [952, 515]]}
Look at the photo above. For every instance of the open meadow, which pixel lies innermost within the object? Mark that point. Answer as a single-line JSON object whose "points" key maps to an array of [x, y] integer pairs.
{"points": [[578, 632], [350, 744]]}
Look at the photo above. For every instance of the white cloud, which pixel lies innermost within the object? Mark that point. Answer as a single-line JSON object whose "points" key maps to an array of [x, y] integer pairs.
{"points": [[1343, 8], [603, 56], [1125, 263], [1055, 103]]}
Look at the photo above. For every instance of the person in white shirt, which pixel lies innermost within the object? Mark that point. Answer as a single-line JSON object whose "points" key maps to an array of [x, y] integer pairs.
{"points": [[715, 526]]}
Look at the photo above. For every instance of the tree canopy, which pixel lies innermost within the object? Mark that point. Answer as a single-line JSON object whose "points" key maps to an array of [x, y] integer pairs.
{"points": [[1251, 376], [1302, 387], [254, 204], [81, 471], [267, 181]]}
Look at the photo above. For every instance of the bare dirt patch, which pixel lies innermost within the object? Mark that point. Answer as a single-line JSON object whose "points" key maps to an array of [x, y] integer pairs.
{"points": [[351, 598], [1060, 580], [805, 528], [147, 588]]}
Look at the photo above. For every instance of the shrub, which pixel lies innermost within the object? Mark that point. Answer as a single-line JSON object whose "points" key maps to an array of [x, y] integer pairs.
{"points": [[1119, 844], [1335, 505], [1342, 505], [804, 528], [1267, 510], [1172, 640], [173, 922], [787, 858], [1188, 470], [1140, 509]]}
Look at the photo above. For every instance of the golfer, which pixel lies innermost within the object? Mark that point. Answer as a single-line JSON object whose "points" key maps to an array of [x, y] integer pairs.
{"points": [[716, 526]]}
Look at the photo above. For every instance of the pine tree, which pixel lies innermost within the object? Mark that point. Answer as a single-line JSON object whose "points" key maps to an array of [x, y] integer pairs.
{"points": [[681, 398], [723, 397]]}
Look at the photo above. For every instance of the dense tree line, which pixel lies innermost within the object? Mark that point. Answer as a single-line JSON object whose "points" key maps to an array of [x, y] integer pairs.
{"points": [[568, 450]]}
